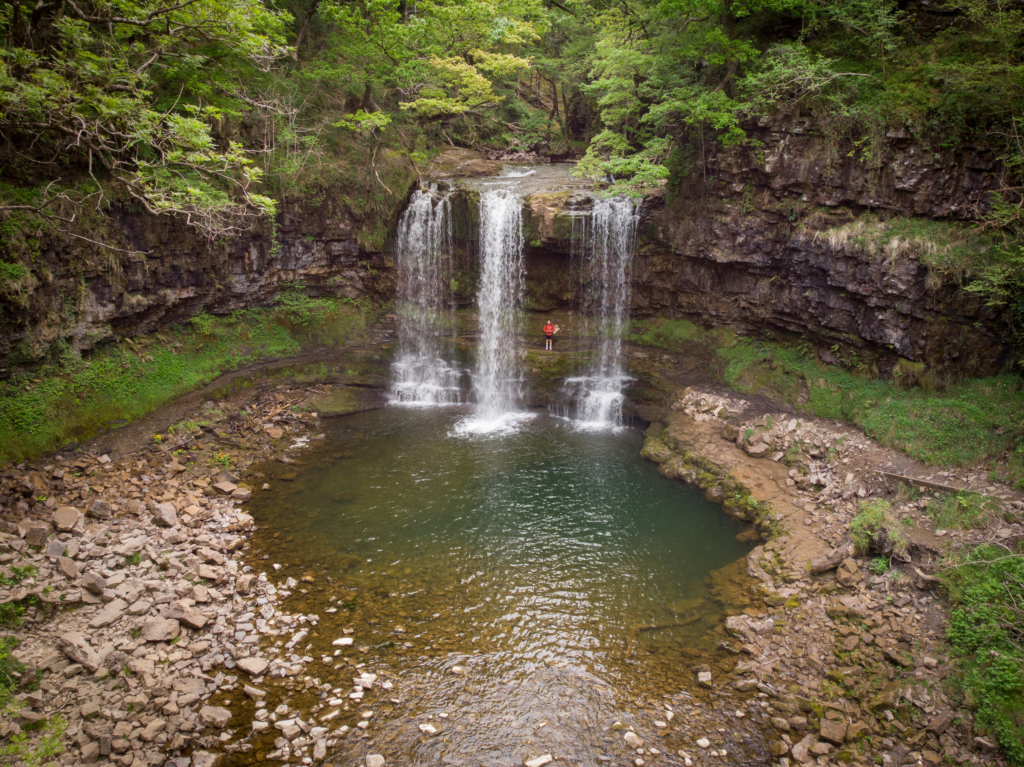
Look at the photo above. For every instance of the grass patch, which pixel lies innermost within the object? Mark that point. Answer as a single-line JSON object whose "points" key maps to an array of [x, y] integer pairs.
{"points": [[20, 747], [949, 249], [964, 424], [126, 380], [875, 528], [986, 631], [963, 509]]}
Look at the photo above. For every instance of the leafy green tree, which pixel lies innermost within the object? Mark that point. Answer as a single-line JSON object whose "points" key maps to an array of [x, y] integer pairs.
{"points": [[79, 91]]}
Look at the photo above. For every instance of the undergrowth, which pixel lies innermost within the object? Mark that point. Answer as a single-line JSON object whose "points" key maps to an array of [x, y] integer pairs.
{"points": [[126, 380], [963, 509], [21, 747], [986, 631], [964, 424], [875, 528]]}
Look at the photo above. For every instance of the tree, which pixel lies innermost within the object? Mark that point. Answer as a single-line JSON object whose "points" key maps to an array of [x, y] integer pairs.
{"points": [[80, 88]]}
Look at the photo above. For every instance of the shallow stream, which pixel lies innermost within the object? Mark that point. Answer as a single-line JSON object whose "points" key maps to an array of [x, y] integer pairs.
{"points": [[534, 587]]}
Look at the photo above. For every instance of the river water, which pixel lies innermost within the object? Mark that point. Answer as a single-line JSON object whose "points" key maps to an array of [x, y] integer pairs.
{"points": [[535, 588]]}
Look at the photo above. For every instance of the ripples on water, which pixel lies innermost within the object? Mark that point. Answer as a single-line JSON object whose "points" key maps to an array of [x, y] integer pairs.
{"points": [[564, 574]]}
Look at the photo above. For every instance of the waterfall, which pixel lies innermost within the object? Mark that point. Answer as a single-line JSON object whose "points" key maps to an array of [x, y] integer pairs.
{"points": [[420, 374], [607, 243], [497, 383]]}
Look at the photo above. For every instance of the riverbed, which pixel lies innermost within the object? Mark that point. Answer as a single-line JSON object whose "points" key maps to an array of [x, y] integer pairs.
{"points": [[529, 591]]}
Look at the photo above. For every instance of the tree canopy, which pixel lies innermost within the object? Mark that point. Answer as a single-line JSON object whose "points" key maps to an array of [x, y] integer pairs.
{"points": [[208, 109]]}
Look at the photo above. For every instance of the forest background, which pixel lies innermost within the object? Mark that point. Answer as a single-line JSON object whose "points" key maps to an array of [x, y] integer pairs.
{"points": [[215, 109]]}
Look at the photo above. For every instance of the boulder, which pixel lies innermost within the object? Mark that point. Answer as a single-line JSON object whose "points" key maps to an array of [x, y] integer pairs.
{"points": [[941, 722], [209, 573], [55, 549], [100, 510], [67, 568], [93, 583], [244, 584], [33, 485], [210, 556], [374, 760], [833, 732], [187, 615], [801, 752], [225, 487], [65, 518], [37, 534], [887, 698], [153, 729], [253, 666], [78, 649], [760, 450], [165, 515], [91, 753], [848, 574], [215, 716], [160, 629]]}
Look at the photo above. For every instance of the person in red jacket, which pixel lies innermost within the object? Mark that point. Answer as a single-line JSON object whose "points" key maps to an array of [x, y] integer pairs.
{"points": [[549, 335]]}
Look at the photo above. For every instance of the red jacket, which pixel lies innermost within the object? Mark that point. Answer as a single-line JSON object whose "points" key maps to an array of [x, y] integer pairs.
{"points": [[549, 329]]}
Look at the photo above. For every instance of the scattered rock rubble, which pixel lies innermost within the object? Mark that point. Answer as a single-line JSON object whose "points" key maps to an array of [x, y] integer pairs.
{"points": [[852, 665], [136, 611], [141, 625]]}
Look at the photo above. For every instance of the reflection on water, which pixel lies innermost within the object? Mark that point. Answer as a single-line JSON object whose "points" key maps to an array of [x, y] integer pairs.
{"points": [[562, 577]]}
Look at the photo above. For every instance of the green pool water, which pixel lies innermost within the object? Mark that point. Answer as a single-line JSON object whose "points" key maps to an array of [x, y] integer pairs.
{"points": [[565, 580]]}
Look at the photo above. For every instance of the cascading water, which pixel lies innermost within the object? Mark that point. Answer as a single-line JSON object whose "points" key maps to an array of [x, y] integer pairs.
{"points": [[607, 244], [420, 374], [496, 380]]}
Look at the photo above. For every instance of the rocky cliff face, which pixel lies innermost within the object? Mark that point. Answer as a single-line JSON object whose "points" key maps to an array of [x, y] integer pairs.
{"points": [[747, 245], [164, 272], [743, 240]]}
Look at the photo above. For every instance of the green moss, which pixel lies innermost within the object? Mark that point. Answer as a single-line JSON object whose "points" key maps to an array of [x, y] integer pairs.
{"points": [[963, 424], [986, 631], [126, 380]]}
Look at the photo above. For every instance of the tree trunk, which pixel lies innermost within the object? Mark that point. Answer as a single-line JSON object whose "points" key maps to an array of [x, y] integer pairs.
{"points": [[304, 26]]}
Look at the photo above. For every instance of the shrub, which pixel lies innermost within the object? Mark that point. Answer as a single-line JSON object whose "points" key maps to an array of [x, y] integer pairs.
{"points": [[963, 509], [986, 630], [875, 528]]}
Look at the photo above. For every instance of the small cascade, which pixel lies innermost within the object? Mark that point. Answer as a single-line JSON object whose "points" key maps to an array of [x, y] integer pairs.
{"points": [[421, 373], [497, 383], [607, 242]]}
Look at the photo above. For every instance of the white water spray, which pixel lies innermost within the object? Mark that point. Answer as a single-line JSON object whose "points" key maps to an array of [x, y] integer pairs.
{"points": [[607, 244], [497, 382], [420, 374]]}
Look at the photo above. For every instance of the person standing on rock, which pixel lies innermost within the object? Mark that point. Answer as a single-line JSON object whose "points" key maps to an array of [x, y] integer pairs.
{"points": [[549, 335]]}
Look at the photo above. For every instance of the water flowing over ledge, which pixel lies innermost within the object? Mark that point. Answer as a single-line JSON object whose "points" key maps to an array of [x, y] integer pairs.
{"points": [[607, 239], [422, 373], [425, 373]]}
